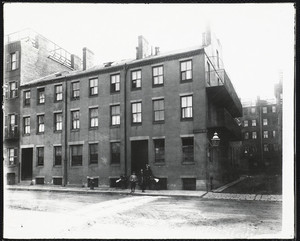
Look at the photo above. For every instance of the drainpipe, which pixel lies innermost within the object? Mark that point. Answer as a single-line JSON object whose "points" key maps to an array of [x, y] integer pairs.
{"points": [[66, 135], [125, 118]]}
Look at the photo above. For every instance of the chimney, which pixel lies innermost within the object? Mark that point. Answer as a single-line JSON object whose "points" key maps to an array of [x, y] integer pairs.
{"points": [[88, 58], [206, 36], [75, 62], [143, 48], [156, 50]]}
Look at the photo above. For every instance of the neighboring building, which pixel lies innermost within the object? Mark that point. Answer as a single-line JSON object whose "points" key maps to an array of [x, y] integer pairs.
{"points": [[110, 120], [27, 55], [262, 134]]}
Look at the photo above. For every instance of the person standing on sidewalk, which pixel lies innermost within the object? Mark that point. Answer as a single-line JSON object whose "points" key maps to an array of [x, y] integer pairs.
{"points": [[142, 180], [133, 179], [148, 176]]}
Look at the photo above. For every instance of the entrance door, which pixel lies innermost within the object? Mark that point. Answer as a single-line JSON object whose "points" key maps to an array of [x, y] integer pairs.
{"points": [[139, 155], [26, 167]]}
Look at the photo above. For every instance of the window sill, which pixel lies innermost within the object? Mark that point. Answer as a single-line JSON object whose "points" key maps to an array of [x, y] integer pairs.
{"points": [[40, 133], [188, 163], [157, 85], [58, 101], [39, 166], [93, 164], [115, 164], [186, 81], [75, 98], [75, 130], [134, 89], [91, 96], [159, 122], [57, 132], [76, 166], [57, 166], [27, 134], [93, 128], [136, 124], [40, 104], [115, 126], [114, 92], [186, 119]]}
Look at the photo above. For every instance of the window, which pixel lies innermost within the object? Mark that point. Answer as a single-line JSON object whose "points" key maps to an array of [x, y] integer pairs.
{"points": [[253, 110], [115, 152], [159, 110], [41, 95], [76, 155], [57, 155], [136, 79], [266, 147], [13, 90], [41, 123], [94, 117], [246, 135], [27, 98], [58, 92], [274, 134], [265, 134], [265, 110], [26, 124], [13, 124], [75, 119], [274, 109], [75, 90], [13, 61], [115, 115], [158, 75], [265, 122], [12, 156], [188, 149], [159, 150], [115, 83], [93, 151], [93, 86], [254, 135], [40, 156], [186, 107], [58, 121], [186, 70], [245, 123], [253, 122], [136, 110]]}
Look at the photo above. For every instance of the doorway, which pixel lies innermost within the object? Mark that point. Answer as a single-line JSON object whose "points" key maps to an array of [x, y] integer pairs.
{"points": [[139, 155], [26, 167]]}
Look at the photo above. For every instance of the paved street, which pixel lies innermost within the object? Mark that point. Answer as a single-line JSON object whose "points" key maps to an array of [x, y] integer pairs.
{"points": [[36, 214]]}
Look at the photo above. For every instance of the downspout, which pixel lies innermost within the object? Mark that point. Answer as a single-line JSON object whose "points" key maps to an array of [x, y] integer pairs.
{"points": [[66, 135], [125, 118]]}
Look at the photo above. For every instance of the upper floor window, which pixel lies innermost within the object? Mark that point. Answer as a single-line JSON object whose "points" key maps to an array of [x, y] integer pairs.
{"points": [[159, 110], [13, 61], [265, 109], [94, 117], [40, 156], [186, 70], [93, 153], [26, 124], [115, 83], [274, 134], [253, 110], [136, 110], [254, 135], [136, 79], [187, 149], [75, 119], [93, 86], [246, 135], [41, 123], [12, 156], [57, 155], [253, 122], [58, 92], [115, 115], [265, 122], [159, 150], [76, 155], [274, 109], [186, 107], [158, 75], [266, 134], [75, 86], [58, 121], [13, 89], [266, 147], [115, 152], [245, 123], [41, 95], [27, 98]]}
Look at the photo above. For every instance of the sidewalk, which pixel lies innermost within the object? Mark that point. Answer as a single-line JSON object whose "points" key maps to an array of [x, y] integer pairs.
{"points": [[167, 193]]}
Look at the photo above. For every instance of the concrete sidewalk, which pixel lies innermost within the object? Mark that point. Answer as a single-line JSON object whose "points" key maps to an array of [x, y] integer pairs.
{"points": [[168, 193]]}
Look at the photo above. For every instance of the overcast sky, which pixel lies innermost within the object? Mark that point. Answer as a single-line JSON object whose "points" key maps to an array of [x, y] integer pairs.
{"points": [[257, 39]]}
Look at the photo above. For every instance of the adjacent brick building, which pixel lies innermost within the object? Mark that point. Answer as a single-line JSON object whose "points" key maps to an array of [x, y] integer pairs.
{"points": [[110, 120]]}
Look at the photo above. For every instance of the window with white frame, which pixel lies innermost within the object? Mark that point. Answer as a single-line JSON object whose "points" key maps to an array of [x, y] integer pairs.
{"points": [[274, 133], [58, 92], [75, 86], [158, 75], [254, 135], [253, 122], [136, 110], [246, 135], [13, 90], [115, 115], [93, 86], [75, 119], [159, 110], [186, 107], [93, 153], [265, 109], [186, 70], [245, 123], [41, 95], [115, 152], [266, 135], [136, 79], [41, 123], [40, 156], [76, 155], [274, 109], [27, 98], [26, 123], [14, 60], [265, 122], [58, 121], [115, 83], [12, 156], [94, 117], [159, 150], [253, 110], [266, 147]]}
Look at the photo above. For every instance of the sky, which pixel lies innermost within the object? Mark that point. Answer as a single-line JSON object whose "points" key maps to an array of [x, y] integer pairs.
{"points": [[257, 39]]}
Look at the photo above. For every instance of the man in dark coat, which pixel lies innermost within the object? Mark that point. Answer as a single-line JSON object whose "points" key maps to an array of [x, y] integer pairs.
{"points": [[148, 176]]}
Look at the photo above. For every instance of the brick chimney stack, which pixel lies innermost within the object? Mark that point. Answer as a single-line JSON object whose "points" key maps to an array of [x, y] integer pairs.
{"points": [[88, 58], [143, 48]]}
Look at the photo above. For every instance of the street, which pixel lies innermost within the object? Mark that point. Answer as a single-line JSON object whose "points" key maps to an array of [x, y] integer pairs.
{"points": [[34, 214]]}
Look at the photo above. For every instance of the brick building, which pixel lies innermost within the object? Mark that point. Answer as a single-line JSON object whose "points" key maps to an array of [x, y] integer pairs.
{"points": [[160, 108], [27, 56], [262, 134]]}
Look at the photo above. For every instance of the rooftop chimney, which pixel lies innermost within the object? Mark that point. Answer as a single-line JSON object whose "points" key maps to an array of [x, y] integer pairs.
{"points": [[75, 62], [143, 48], [88, 58], [156, 50]]}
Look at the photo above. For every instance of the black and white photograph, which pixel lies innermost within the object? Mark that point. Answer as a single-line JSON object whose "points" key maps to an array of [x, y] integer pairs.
{"points": [[148, 121]]}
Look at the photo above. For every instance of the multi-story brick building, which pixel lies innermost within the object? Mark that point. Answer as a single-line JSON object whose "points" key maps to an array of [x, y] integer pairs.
{"points": [[262, 134], [110, 120], [28, 55]]}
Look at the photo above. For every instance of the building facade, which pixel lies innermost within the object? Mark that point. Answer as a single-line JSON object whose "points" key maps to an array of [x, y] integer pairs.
{"points": [[110, 120]]}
